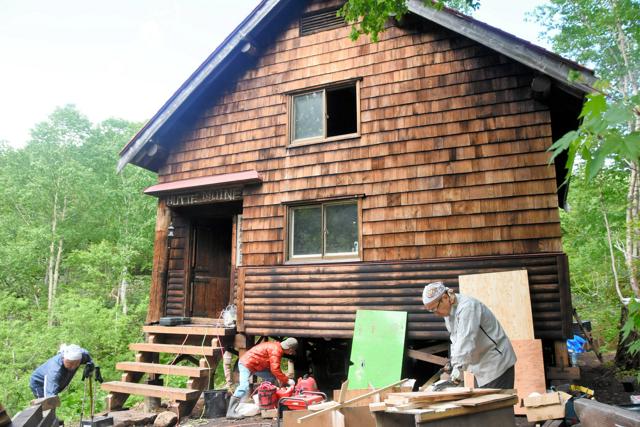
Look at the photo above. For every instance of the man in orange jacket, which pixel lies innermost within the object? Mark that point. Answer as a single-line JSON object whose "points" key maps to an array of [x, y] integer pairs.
{"points": [[262, 360]]}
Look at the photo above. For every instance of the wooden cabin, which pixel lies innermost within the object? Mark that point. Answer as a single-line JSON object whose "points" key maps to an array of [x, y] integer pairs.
{"points": [[303, 176]]}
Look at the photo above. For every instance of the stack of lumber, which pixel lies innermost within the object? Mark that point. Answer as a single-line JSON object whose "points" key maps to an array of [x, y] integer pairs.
{"points": [[429, 405]]}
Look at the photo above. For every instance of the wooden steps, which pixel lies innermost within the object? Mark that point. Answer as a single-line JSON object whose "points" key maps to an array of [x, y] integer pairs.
{"points": [[193, 350], [144, 377], [157, 368], [172, 393], [199, 330]]}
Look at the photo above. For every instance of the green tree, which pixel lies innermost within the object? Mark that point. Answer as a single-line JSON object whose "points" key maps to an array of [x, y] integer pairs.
{"points": [[605, 34], [101, 238], [369, 16]]}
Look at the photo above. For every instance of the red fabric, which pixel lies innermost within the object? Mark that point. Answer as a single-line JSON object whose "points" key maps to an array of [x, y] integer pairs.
{"points": [[266, 355]]}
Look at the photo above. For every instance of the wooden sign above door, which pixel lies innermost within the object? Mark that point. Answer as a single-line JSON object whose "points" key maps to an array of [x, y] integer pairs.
{"points": [[204, 196]]}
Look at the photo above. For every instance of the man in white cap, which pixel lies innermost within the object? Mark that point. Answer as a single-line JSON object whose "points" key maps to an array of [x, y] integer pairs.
{"points": [[262, 360], [54, 375], [478, 342]]}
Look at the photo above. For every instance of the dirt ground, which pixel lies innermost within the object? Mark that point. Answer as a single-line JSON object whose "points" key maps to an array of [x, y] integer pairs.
{"points": [[594, 375]]}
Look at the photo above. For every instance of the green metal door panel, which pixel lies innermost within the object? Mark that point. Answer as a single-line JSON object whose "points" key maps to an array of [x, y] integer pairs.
{"points": [[377, 350]]}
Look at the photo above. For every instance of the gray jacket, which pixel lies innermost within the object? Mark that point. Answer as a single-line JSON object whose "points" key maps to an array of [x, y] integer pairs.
{"points": [[478, 342]]}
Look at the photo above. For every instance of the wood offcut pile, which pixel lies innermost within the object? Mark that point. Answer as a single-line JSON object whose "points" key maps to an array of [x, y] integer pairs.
{"points": [[451, 402]]}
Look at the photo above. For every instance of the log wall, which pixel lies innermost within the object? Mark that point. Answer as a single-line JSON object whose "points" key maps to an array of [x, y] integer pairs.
{"points": [[451, 158], [177, 283], [322, 300]]}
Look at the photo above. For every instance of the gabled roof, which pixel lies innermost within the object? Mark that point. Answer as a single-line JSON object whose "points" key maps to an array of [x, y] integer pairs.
{"points": [[522, 51]]}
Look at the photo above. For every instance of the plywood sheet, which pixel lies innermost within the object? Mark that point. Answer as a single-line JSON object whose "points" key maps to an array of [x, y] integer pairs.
{"points": [[506, 293], [529, 370], [377, 350]]}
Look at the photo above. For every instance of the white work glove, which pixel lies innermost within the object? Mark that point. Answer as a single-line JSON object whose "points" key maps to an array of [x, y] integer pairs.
{"points": [[456, 375], [291, 382]]}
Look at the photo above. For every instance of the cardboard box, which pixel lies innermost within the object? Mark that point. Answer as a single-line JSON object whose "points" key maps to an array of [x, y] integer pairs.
{"points": [[548, 406]]}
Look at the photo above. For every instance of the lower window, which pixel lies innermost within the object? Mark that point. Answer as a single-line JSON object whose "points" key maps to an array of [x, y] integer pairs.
{"points": [[324, 231]]}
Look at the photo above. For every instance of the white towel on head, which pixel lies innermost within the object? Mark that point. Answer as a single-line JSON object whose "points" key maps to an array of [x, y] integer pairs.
{"points": [[71, 351]]}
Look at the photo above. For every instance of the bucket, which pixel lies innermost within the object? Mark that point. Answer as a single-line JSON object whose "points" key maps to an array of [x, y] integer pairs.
{"points": [[215, 403]]}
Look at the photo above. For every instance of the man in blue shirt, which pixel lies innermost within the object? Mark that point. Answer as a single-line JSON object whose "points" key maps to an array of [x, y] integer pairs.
{"points": [[53, 376]]}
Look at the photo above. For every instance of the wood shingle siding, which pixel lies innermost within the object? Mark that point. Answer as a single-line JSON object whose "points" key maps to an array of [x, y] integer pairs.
{"points": [[321, 300], [451, 159]]}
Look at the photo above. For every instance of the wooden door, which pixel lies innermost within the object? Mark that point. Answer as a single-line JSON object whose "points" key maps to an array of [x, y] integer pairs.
{"points": [[210, 268]]}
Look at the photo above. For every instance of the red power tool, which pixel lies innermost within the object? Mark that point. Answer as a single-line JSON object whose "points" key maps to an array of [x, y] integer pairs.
{"points": [[304, 394]]}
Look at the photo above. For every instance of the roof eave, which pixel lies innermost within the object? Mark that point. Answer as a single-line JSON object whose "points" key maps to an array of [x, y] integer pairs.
{"points": [[513, 47], [194, 82]]}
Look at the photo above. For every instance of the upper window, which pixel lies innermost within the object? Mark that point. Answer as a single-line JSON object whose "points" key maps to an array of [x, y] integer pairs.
{"points": [[324, 231], [324, 113]]}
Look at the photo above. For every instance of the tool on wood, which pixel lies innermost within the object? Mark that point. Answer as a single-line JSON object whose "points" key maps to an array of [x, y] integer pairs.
{"points": [[435, 377], [441, 385]]}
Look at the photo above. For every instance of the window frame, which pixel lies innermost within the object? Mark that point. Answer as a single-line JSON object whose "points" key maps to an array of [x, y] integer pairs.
{"points": [[320, 139], [323, 257]]}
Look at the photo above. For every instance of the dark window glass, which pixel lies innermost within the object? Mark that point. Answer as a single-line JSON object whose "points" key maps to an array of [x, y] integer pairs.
{"points": [[341, 111]]}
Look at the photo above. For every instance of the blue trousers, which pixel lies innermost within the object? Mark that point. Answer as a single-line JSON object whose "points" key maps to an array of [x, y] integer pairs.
{"points": [[245, 373]]}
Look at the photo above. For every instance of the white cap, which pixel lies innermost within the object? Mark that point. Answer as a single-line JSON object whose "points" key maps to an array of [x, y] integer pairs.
{"points": [[289, 344], [71, 352], [432, 292]]}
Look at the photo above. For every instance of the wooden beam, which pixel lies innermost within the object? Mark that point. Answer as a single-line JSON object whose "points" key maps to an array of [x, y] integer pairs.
{"points": [[157, 368], [561, 354], [159, 273], [454, 412], [151, 390], [437, 348], [427, 357], [189, 330], [174, 349], [29, 417], [47, 403]]}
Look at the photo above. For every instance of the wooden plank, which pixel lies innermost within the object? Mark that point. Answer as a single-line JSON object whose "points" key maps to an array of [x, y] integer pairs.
{"points": [[483, 400], [454, 412], [156, 368], [529, 369], [506, 294], [47, 403], [427, 357], [469, 379], [449, 394], [148, 390], [29, 417], [175, 349], [190, 330]]}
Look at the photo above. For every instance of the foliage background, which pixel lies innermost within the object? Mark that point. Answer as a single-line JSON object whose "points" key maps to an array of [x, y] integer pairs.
{"points": [[108, 236]]}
